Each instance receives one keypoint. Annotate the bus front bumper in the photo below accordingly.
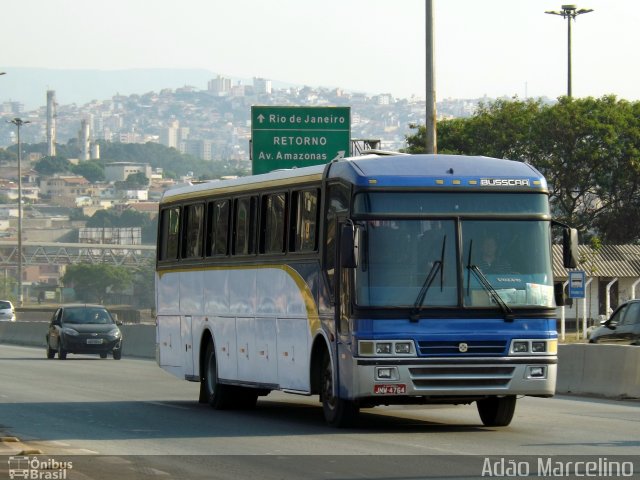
(402, 379)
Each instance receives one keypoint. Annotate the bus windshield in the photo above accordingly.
(417, 263)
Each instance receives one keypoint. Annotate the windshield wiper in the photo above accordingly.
(506, 311)
(438, 265)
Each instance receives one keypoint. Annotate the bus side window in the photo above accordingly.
(273, 219)
(244, 226)
(305, 217)
(218, 228)
(192, 233)
(170, 233)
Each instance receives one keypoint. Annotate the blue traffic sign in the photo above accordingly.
(577, 281)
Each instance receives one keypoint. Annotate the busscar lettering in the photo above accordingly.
(505, 182)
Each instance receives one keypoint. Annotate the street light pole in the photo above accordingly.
(18, 122)
(570, 12)
(430, 99)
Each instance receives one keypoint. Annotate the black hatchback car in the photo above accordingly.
(81, 328)
(623, 327)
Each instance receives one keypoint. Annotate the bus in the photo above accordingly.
(371, 280)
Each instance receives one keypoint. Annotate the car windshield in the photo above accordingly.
(86, 315)
(4, 305)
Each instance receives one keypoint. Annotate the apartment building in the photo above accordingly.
(64, 190)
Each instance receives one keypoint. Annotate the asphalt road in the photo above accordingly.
(130, 419)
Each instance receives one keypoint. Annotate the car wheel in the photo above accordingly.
(62, 354)
(497, 411)
(50, 352)
(103, 355)
(338, 412)
(117, 354)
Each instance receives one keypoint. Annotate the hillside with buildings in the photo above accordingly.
(169, 136)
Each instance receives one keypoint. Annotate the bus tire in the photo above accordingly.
(217, 395)
(338, 412)
(497, 411)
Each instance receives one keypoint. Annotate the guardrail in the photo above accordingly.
(601, 370)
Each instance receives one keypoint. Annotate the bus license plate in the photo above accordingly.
(94, 341)
(397, 389)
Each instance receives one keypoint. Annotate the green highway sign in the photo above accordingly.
(286, 137)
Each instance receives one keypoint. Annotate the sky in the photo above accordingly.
(482, 47)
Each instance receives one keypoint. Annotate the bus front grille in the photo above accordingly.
(461, 377)
(471, 347)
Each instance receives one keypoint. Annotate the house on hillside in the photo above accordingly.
(148, 208)
(64, 190)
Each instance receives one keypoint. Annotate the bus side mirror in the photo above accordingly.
(570, 247)
(560, 294)
(349, 246)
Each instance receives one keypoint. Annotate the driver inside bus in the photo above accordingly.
(490, 260)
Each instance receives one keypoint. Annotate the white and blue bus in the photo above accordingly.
(373, 280)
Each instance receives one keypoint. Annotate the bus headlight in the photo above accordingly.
(403, 348)
(383, 348)
(538, 347)
(534, 347)
(386, 348)
(520, 347)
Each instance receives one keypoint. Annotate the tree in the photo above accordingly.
(92, 170)
(500, 129)
(8, 288)
(588, 149)
(52, 165)
(7, 156)
(131, 218)
(92, 282)
(136, 180)
(144, 287)
(102, 219)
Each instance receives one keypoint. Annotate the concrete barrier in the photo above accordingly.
(602, 370)
(138, 340)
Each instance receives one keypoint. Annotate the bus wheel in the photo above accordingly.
(217, 395)
(338, 412)
(497, 411)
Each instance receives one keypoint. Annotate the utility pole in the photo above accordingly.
(570, 12)
(18, 122)
(430, 123)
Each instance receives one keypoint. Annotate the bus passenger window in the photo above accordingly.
(218, 225)
(170, 233)
(306, 221)
(244, 226)
(274, 217)
(192, 242)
